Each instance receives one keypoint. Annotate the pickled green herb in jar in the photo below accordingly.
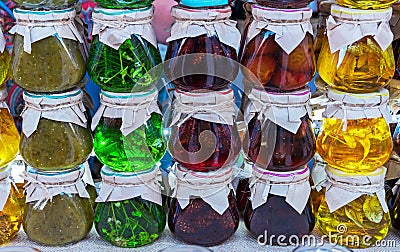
(44, 4)
(124, 4)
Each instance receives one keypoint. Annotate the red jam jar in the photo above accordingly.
(279, 136)
(201, 53)
(279, 59)
(268, 214)
(204, 214)
(204, 135)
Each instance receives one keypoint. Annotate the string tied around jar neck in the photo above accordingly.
(47, 107)
(121, 22)
(42, 192)
(294, 186)
(342, 189)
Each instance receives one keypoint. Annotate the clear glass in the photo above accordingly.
(140, 150)
(363, 68)
(276, 217)
(54, 65)
(10, 217)
(124, 69)
(65, 220)
(56, 146)
(274, 68)
(130, 223)
(192, 142)
(274, 148)
(366, 4)
(216, 67)
(9, 138)
(199, 224)
(44, 4)
(349, 225)
(365, 145)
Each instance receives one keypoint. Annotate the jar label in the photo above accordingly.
(118, 186)
(134, 109)
(341, 189)
(115, 26)
(191, 23)
(290, 27)
(294, 186)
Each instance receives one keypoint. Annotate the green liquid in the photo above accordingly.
(125, 69)
(138, 151)
(118, 4)
(130, 223)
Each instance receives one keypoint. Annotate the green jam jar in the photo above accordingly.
(44, 4)
(121, 56)
(55, 133)
(125, 4)
(128, 131)
(57, 213)
(44, 61)
(130, 212)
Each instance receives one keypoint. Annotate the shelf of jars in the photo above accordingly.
(287, 162)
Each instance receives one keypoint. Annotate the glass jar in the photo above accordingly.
(121, 57)
(272, 61)
(273, 141)
(42, 62)
(284, 4)
(124, 4)
(355, 135)
(204, 135)
(55, 131)
(353, 211)
(124, 145)
(4, 59)
(205, 214)
(57, 213)
(9, 136)
(10, 210)
(44, 4)
(207, 40)
(272, 214)
(357, 63)
(361, 4)
(130, 212)
(324, 12)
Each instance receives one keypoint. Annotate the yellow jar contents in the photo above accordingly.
(10, 217)
(9, 137)
(366, 4)
(359, 224)
(362, 67)
(362, 147)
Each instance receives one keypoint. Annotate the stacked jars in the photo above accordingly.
(278, 61)
(201, 62)
(356, 61)
(48, 61)
(128, 125)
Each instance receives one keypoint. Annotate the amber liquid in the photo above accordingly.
(364, 68)
(273, 68)
(362, 148)
(276, 217)
(358, 219)
(212, 73)
(274, 148)
(199, 224)
(204, 146)
(10, 217)
(9, 138)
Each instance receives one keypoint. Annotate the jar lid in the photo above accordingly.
(186, 14)
(203, 3)
(350, 106)
(282, 15)
(213, 106)
(117, 186)
(43, 99)
(348, 14)
(122, 15)
(134, 108)
(32, 17)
